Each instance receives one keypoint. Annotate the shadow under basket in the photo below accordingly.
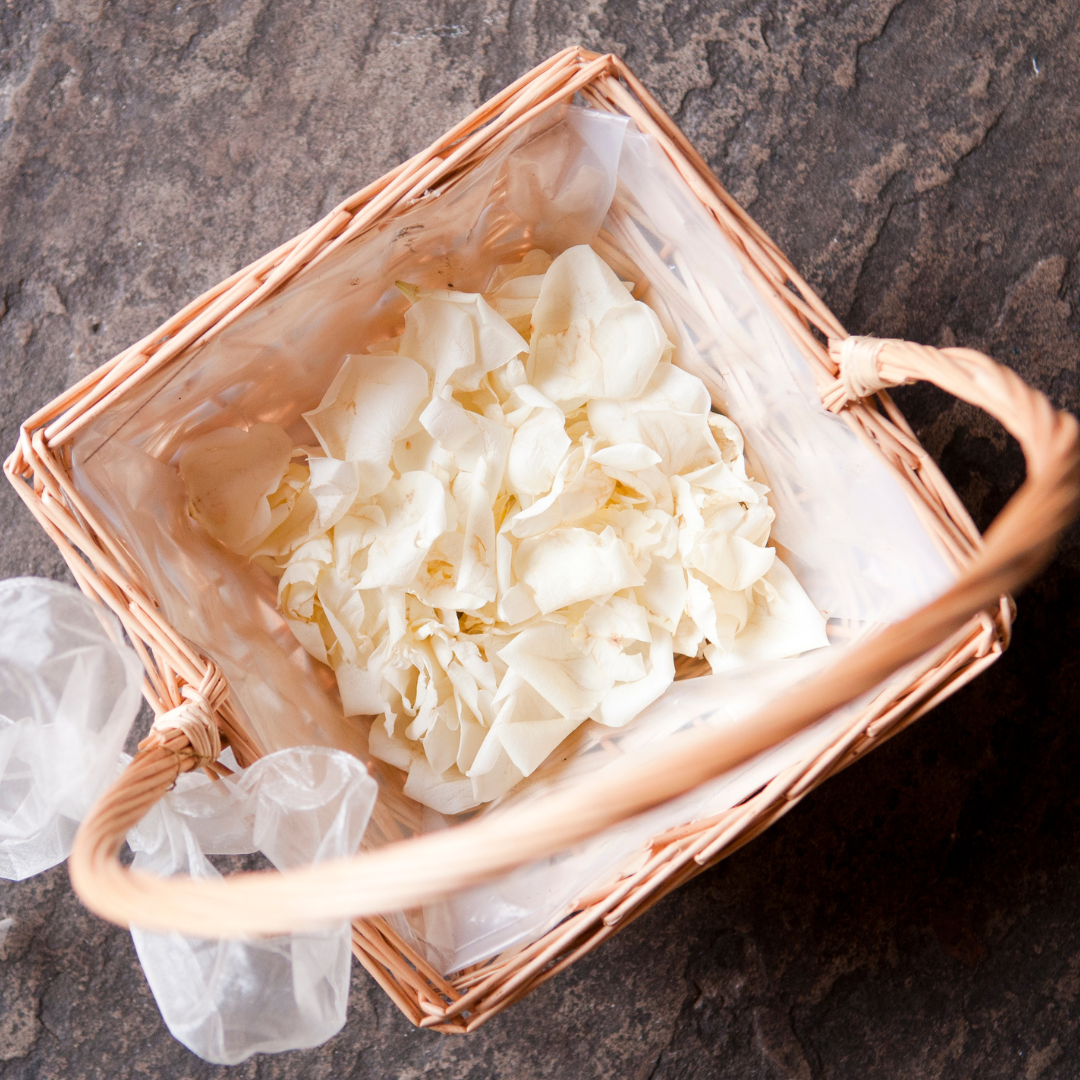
(68, 455)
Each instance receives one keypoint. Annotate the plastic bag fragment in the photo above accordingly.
(226, 1000)
(69, 693)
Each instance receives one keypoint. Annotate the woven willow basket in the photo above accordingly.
(939, 648)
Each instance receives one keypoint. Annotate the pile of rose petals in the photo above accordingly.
(501, 536)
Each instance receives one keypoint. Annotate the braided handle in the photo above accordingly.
(411, 872)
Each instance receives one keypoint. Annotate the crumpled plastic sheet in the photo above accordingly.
(844, 526)
(69, 692)
(226, 1000)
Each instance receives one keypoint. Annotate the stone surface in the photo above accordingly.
(920, 162)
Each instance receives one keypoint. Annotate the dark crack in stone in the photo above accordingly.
(919, 915)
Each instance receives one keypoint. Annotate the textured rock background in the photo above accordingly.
(920, 162)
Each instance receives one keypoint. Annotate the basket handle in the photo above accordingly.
(411, 872)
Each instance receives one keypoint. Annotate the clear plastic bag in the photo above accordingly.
(843, 523)
(69, 692)
(226, 1000)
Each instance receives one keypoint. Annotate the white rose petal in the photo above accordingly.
(530, 728)
(310, 637)
(578, 491)
(360, 689)
(334, 486)
(415, 508)
(547, 659)
(469, 437)
(230, 474)
(448, 793)
(664, 592)
(392, 750)
(628, 457)
(730, 560)
(564, 566)
(607, 631)
(370, 403)
(492, 552)
(496, 781)
(590, 337)
(671, 417)
(458, 338)
(790, 625)
(625, 701)
(537, 451)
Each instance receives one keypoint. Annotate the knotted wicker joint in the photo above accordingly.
(860, 374)
(195, 719)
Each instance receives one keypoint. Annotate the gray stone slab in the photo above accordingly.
(920, 162)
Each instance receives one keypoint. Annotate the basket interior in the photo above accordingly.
(844, 525)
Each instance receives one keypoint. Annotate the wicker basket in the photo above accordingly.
(939, 648)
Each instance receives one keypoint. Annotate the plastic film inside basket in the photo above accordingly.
(843, 523)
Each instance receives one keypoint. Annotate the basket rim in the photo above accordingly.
(40, 469)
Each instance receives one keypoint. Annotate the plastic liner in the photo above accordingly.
(226, 1000)
(69, 692)
(843, 524)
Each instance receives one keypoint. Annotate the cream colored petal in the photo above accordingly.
(310, 637)
(334, 486)
(468, 655)
(517, 605)
(391, 749)
(351, 619)
(367, 407)
(503, 381)
(571, 499)
(477, 575)
(547, 659)
(590, 338)
(628, 457)
(620, 619)
(361, 690)
(729, 440)
(790, 625)
(564, 566)
(610, 633)
(497, 781)
(419, 452)
(471, 736)
(699, 606)
(468, 437)
(352, 535)
(448, 793)
(537, 451)
(627, 700)
(687, 639)
(629, 342)
(296, 586)
(441, 743)
(415, 508)
(577, 285)
(646, 534)
(730, 560)
(664, 592)
(458, 342)
(619, 665)
(298, 527)
(528, 742)
(230, 474)
(530, 728)
(670, 417)
(490, 751)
